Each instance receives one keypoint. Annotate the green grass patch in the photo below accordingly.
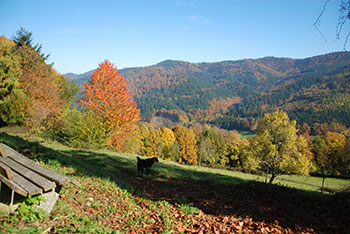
(246, 134)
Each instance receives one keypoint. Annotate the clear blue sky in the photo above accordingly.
(79, 34)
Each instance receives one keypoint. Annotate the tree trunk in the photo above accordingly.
(267, 173)
(323, 178)
(273, 176)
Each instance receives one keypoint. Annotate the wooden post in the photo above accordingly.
(12, 197)
(3, 153)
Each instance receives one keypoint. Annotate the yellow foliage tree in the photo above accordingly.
(168, 138)
(278, 147)
(335, 143)
(187, 141)
(151, 144)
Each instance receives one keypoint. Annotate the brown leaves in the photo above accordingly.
(119, 210)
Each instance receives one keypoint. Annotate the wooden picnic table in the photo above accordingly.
(26, 177)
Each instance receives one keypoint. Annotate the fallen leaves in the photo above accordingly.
(177, 205)
(119, 210)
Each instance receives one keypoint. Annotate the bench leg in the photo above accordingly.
(12, 197)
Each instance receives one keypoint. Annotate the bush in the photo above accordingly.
(79, 129)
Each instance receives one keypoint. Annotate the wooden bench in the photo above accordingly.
(26, 177)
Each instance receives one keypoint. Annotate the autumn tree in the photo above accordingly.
(278, 147)
(31, 91)
(187, 142)
(168, 138)
(107, 96)
(322, 159)
(244, 155)
(41, 84)
(133, 144)
(151, 144)
(144, 134)
(12, 97)
(336, 143)
(47, 92)
(81, 129)
(216, 147)
(206, 151)
(330, 154)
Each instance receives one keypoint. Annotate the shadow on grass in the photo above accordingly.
(212, 193)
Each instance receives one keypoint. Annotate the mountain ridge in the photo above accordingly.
(261, 85)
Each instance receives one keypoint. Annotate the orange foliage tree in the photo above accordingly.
(107, 97)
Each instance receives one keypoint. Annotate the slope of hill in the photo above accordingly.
(233, 94)
(174, 198)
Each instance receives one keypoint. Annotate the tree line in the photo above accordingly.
(32, 93)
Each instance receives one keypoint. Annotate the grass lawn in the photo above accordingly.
(246, 134)
(174, 198)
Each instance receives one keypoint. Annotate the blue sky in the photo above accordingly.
(80, 34)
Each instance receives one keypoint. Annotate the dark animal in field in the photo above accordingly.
(145, 163)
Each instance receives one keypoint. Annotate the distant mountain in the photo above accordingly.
(233, 94)
(79, 78)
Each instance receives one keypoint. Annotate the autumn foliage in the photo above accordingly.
(41, 84)
(187, 141)
(107, 97)
(31, 91)
(278, 147)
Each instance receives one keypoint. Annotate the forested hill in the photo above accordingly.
(233, 94)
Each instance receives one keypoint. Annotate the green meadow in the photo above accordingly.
(174, 198)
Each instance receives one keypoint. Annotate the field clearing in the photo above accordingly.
(191, 172)
(246, 134)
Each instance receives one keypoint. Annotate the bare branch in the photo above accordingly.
(344, 17)
(317, 23)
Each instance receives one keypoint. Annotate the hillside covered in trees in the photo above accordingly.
(186, 99)
(233, 94)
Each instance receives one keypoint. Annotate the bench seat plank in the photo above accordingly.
(43, 171)
(22, 182)
(13, 186)
(30, 175)
(36, 167)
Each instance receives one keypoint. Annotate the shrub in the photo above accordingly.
(80, 129)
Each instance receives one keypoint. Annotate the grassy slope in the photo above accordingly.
(175, 198)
